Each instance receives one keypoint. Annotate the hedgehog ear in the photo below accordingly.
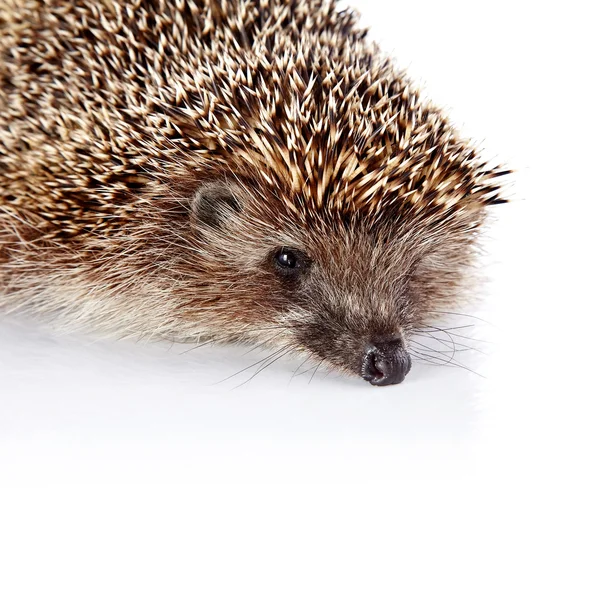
(215, 202)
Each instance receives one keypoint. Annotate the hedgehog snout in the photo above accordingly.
(385, 362)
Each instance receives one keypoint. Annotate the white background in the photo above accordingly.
(127, 471)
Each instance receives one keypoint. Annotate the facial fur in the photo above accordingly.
(162, 166)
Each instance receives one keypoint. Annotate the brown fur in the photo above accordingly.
(116, 117)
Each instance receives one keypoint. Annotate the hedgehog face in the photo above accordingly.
(347, 308)
(348, 295)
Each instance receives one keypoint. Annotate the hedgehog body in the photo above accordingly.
(249, 170)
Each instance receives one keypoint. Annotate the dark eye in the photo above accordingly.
(287, 259)
(290, 262)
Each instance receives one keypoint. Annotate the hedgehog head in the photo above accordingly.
(347, 283)
(332, 210)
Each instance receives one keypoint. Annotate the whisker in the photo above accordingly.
(286, 351)
(425, 328)
(451, 363)
(461, 346)
(457, 314)
(297, 369)
(447, 331)
(316, 369)
(450, 351)
(443, 359)
(466, 337)
(304, 372)
(259, 344)
(258, 362)
(435, 361)
(328, 372)
(429, 360)
(195, 347)
(424, 361)
(451, 340)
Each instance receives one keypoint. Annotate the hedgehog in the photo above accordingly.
(244, 171)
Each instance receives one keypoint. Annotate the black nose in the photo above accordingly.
(385, 363)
